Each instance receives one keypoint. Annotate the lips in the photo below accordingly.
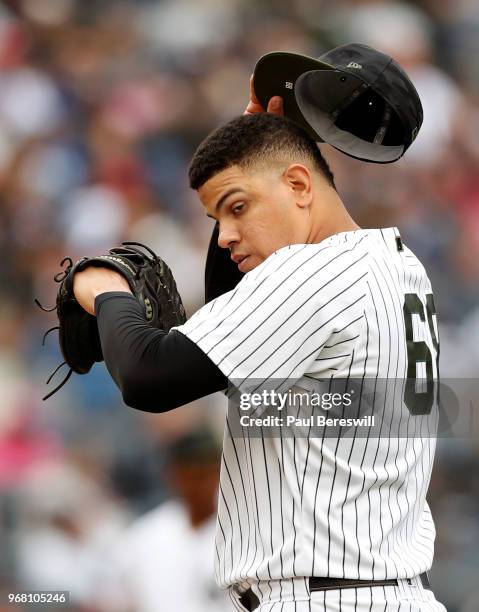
(240, 260)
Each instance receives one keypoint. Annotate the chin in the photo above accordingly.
(250, 263)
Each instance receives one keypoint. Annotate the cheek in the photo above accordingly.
(269, 237)
(263, 236)
(252, 228)
(269, 228)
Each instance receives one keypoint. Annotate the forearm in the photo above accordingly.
(155, 371)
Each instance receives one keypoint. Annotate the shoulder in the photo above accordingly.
(304, 257)
(308, 264)
(293, 282)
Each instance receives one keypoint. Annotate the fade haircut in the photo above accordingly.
(251, 140)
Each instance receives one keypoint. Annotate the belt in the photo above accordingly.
(250, 602)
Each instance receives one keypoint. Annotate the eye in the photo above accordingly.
(237, 208)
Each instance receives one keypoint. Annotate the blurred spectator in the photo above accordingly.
(94, 218)
(164, 561)
(202, 25)
(23, 443)
(66, 524)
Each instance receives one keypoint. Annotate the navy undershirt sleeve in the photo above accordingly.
(155, 371)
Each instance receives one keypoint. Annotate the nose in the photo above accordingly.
(227, 236)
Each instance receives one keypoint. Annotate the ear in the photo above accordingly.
(299, 180)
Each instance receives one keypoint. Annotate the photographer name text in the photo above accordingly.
(315, 420)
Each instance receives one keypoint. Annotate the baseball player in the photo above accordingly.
(315, 522)
(303, 523)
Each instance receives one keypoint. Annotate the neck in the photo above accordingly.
(331, 217)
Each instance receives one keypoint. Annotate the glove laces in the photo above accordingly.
(58, 278)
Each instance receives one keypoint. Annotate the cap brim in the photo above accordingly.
(276, 73)
(221, 273)
(318, 94)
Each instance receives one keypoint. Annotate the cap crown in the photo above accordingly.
(383, 74)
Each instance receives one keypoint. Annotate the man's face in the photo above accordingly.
(257, 213)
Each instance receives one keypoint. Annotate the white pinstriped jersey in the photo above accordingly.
(353, 306)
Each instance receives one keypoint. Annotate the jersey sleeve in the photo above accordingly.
(277, 319)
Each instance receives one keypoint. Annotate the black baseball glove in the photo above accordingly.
(150, 281)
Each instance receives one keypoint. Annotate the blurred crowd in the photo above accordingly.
(102, 104)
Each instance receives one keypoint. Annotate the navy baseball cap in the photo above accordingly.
(354, 98)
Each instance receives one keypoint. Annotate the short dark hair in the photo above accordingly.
(249, 139)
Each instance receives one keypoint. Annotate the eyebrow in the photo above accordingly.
(223, 199)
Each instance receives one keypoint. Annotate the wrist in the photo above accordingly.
(94, 281)
(119, 285)
(110, 287)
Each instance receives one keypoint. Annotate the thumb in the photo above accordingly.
(275, 106)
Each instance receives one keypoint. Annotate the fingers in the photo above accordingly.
(275, 105)
(253, 108)
(254, 105)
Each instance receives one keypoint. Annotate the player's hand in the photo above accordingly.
(275, 105)
(92, 281)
